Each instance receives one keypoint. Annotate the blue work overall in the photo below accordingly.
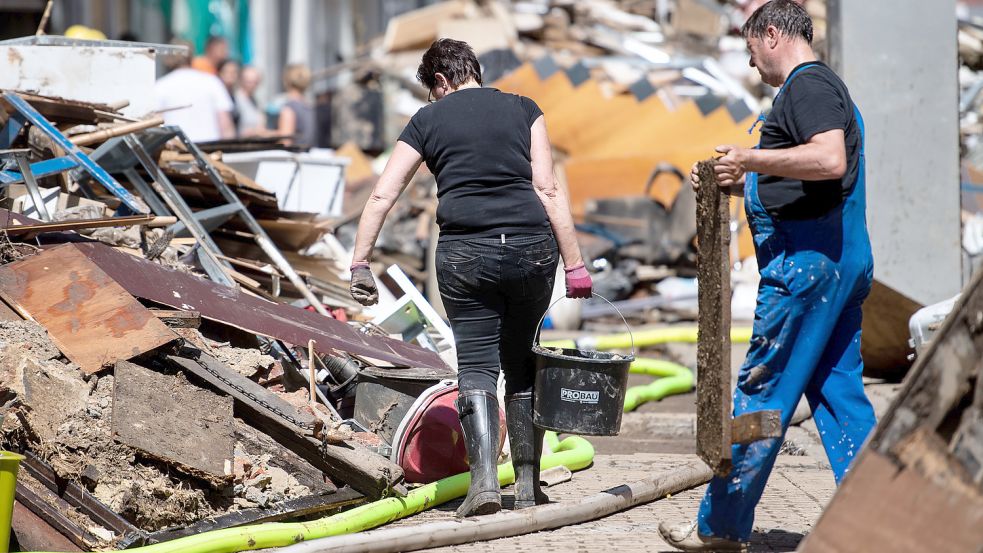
(815, 274)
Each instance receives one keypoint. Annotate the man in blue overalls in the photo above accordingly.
(804, 196)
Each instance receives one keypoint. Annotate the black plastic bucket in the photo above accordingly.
(580, 392)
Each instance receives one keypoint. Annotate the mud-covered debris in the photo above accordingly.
(259, 484)
(20, 339)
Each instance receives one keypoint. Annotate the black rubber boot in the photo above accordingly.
(478, 411)
(527, 450)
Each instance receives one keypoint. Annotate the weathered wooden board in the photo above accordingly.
(91, 319)
(713, 391)
(882, 507)
(174, 421)
(33, 533)
(917, 484)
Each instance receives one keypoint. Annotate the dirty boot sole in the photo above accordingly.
(484, 503)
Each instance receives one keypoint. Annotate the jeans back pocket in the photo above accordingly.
(458, 273)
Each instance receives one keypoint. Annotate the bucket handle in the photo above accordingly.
(539, 326)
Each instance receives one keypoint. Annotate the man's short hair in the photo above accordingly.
(790, 18)
(454, 59)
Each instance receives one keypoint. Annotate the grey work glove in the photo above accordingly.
(363, 287)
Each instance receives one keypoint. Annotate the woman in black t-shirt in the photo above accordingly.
(503, 221)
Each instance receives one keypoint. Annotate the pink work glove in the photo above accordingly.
(578, 280)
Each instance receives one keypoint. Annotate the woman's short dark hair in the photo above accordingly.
(787, 16)
(453, 58)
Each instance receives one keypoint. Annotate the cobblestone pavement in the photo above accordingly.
(658, 438)
(796, 494)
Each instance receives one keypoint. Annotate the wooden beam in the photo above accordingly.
(916, 485)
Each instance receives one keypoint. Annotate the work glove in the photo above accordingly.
(579, 283)
(363, 287)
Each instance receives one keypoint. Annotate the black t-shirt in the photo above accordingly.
(476, 142)
(814, 101)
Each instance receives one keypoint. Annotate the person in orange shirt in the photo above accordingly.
(216, 51)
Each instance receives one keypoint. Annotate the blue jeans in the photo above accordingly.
(494, 291)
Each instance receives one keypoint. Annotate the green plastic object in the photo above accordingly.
(573, 452)
(673, 378)
(9, 463)
(643, 338)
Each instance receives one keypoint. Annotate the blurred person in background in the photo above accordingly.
(228, 73)
(297, 118)
(194, 100)
(252, 119)
(216, 51)
(504, 225)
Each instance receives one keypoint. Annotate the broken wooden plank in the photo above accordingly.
(364, 470)
(758, 425)
(178, 318)
(226, 305)
(911, 489)
(418, 28)
(882, 507)
(80, 224)
(49, 507)
(713, 391)
(173, 421)
(91, 319)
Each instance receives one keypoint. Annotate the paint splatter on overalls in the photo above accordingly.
(815, 275)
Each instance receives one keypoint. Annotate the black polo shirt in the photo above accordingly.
(815, 100)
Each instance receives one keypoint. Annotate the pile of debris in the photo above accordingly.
(155, 350)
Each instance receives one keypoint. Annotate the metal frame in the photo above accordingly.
(262, 239)
(27, 176)
(24, 113)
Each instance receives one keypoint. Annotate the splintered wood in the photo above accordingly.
(918, 483)
(713, 392)
(91, 319)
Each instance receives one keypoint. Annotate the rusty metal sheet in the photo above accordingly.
(231, 306)
(91, 319)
